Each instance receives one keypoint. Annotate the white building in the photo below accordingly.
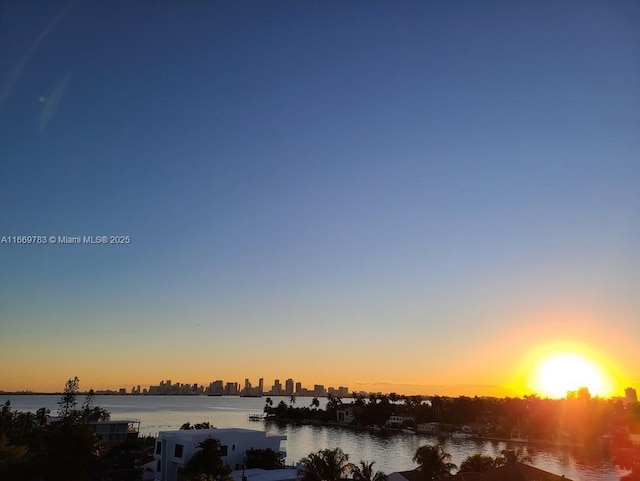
(398, 420)
(174, 449)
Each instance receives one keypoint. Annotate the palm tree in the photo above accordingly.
(358, 399)
(292, 400)
(434, 462)
(315, 403)
(333, 402)
(511, 456)
(478, 463)
(267, 405)
(365, 472)
(326, 465)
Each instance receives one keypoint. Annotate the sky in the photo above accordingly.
(417, 197)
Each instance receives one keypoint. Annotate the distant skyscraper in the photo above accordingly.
(288, 387)
(319, 390)
(261, 386)
(277, 388)
(630, 395)
(231, 388)
(298, 387)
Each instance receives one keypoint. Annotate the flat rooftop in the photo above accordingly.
(257, 474)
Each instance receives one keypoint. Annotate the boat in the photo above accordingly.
(256, 417)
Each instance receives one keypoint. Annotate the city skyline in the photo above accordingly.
(296, 388)
(411, 197)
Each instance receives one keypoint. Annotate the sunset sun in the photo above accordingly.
(559, 373)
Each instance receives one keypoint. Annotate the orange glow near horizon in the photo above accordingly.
(555, 370)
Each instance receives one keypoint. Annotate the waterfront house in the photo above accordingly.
(346, 413)
(174, 449)
(116, 429)
(400, 420)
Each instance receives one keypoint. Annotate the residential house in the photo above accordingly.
(399, 420)
(174, 449)
(346, 413)
(117, 429)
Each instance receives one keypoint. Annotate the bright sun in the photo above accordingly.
(558, 373)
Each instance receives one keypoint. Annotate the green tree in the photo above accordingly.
(434, 462)
(326, 465)
(267, 405)
(333, 402)
(203, 425)
(511, 456)
(478, 463)
(69, 449)
(207, 461)
(6, 418)
(358, 399)
(365, 472)
(69, 400)
(68, 452)
(264, 458)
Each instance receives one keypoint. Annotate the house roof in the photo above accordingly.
(413, 475)
(470, 476)
(258, 474)
(518, 472)
(508, 472)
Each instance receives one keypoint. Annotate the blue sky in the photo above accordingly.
(313, 178)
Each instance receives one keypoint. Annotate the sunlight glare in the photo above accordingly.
(560, 373)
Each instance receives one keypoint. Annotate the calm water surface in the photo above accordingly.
(391, 453)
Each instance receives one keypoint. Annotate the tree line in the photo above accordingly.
(577, 419)
(65, 448)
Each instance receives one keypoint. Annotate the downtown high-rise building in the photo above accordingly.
(288, 387)
(630, 395)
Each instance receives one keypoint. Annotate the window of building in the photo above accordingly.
(158, 465)
(233, 447)
(159, 447)
(223, 450)
(177, 452)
